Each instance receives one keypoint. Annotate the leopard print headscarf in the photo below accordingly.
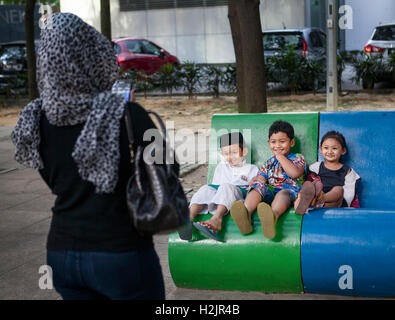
(76, 68)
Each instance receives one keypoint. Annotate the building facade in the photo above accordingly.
(194, 30)
(199, 31)
(12, 23)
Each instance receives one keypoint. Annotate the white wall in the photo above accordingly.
(197, 34)
(276, 12)
(366, 15)
(88, 10)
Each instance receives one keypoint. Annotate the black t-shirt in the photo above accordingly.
(332, 178)
(82, 219)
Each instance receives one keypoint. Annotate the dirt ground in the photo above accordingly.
(196, 113)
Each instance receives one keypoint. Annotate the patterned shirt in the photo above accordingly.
(276, 176)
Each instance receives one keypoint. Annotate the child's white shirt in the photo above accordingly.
(239, 175)
(228, 178)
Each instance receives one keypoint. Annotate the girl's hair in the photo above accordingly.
(335, 135)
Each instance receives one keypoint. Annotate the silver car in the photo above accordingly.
(382, 41)
(310, 42)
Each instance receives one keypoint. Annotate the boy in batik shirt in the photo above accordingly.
(278, 182)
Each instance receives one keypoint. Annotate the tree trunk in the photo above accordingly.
(236, 37)
(105, 18)
(245, 24)
(30, 52)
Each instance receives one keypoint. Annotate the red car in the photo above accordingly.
(142, 55)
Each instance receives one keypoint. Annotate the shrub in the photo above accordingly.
(190, 75)
(215, 77)
(314, 74)
(168, 79)
(141, 82)
(287, 68)
(391, 62)
(230, 78)
(369, 69)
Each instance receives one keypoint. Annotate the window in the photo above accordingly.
(134, 46)
(278, 40)
(135, 5)
(315, 40)
(13, 52)
(323, 39)
(214, 3)
(189, 3)
(386, 33)
(132, 5)
(150, 48)
(117, 48)
(160, 4)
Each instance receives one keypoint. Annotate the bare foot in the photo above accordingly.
(215, 222)
(319, 194)
(307, 194)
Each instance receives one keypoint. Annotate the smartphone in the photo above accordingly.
(123, 87)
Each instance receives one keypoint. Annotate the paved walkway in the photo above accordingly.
(25, 215)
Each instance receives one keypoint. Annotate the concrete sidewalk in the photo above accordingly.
(25, 215)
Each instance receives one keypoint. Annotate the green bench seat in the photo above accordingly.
(247, 262)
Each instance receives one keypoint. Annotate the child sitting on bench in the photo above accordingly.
(330, 183)
(278, 182)
(230, 182)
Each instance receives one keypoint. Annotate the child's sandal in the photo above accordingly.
(240, 216)
(268, 220)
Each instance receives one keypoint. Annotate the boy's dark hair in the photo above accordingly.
(231, 138)
(282, 126)
(334, 135)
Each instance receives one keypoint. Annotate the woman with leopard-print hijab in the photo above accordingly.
(75, 136)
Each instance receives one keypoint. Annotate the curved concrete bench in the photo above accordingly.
(336, 251)
(349, 252)
(249, 262)
(360, 241)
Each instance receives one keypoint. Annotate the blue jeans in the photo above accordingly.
(132, 275)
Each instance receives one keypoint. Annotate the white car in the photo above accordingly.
(382, 41)
(382, 44)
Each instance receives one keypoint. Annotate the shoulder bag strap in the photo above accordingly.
(129, 129)
(165, 137)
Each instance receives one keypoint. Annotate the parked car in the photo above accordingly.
(310, 42)
(382, 41)
(381, 44)
(142, 55)
(13, 56)
(13, 65)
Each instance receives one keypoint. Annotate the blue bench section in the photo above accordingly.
(370, 137)
(349, 252)
(363, 239)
